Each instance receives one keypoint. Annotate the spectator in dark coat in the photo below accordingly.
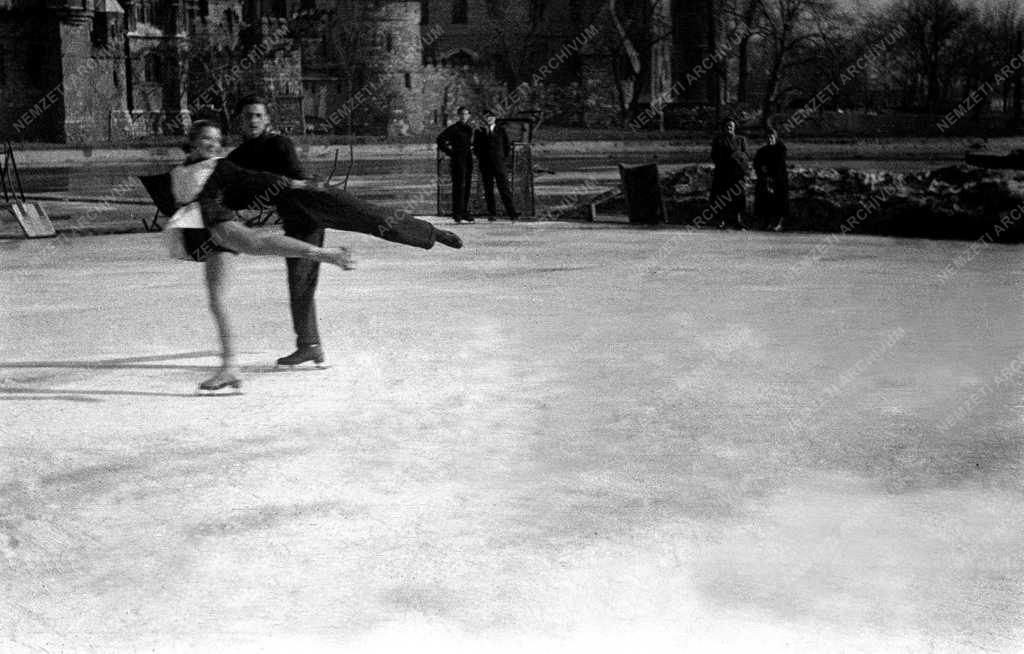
(456, 142)
(728, 185)
(771, 196)
(492, 147)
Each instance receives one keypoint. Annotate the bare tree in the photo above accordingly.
(352, 52)
(746, 14)
(895, 84)
(1003, 21)
(639, 30)
(217, 45)
(933, 31)
(214, 47)
(837, 47)
(792, 30)
(519, 29)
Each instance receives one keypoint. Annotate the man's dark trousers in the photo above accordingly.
(334, 208)
(462, 182)
(303, 276)
(492, 147)
(490, 175)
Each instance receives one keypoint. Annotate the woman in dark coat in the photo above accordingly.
(728, 185)
(771, 197)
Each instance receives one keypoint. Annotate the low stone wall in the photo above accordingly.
(957, 202)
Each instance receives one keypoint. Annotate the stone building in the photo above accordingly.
(99, 70)
(62, 72)
(111, 70)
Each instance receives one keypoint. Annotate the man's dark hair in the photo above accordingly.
(488, 112)
(461, 109)
(247, 100)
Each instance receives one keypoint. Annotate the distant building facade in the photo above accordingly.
(112, 70)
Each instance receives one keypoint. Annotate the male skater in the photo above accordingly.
(305, 214)
(264, 150)
(456, 142)
(492, 147)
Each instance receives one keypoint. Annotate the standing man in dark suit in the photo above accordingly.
(264, 150)
(456, 141)
(492, 147)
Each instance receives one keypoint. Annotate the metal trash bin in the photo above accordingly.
(641, 186)
(520, 169)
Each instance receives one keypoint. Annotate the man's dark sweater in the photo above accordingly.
(272, 153)
(456, 140)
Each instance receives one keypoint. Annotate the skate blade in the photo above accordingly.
(227, 390)
(301, 366)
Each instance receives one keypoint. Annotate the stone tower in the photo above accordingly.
(65, 79)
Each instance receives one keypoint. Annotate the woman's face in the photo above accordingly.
(730, 127)
(207, 143)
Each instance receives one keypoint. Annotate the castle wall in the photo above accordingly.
(95, 101)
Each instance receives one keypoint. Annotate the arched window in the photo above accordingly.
(151, 68)
(35, 62)
(100, 34)
(145, 12)
(459, 57)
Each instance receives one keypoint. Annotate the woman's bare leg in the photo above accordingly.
(238, 237)
(216, 269)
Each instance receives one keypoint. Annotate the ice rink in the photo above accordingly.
(559, 438)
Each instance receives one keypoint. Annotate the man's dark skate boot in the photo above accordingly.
(305, 353)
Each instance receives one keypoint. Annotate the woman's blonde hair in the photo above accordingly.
(196, 128)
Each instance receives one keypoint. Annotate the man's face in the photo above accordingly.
(254, 120)
(730, 127)
(464, 116)
(489, 119)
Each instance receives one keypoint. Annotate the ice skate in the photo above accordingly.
(224, 379)
(304, 353)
